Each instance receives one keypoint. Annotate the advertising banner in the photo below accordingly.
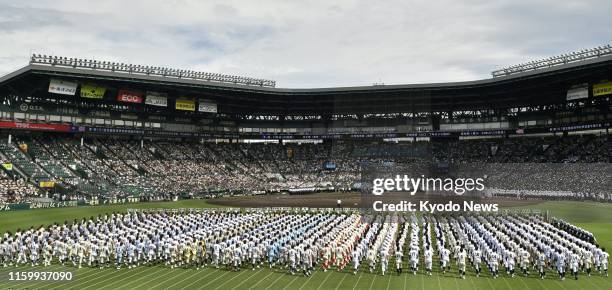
(62, 87)
(156, 99)
(34, 126)
(602, 89)
(14, 206)
(185, 105)
(24, 107)
(577, 93)
(47, 184)
(54, 204)
(36, 205)
(207, 106)
(92, 92)
(129, 96)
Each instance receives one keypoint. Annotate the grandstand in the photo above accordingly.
(106, 167)
(76, 129)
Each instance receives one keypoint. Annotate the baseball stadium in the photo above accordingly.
(123, 176)
(305, 145)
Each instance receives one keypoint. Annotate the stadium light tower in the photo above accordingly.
(564, 58)
(147, 70)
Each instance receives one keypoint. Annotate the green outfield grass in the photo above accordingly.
(13, 220)
(592, 216)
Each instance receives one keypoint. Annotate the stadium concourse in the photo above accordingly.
(570, 167)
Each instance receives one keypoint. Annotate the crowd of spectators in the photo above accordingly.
(154, 169)
(15, 189)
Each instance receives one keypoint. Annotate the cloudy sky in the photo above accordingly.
(302, 43)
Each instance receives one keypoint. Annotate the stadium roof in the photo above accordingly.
(535, 87)
(59, 70)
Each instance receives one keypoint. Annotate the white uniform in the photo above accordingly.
(477, 259)
(461, 259)
(428, 259)
(237, 257)
(494, 263)
(542, 264)
(414, 260)
(384, 260)
(356, 255)
(445, 253)
(398, 259)
(561, 265)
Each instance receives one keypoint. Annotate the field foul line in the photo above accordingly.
(588, 279)
(242, 271)
(307, 280)
(264, 278)
(471, 281)
(144, 284)
(225, 273)
(91, 272)
(373, 279)
(489, 281)
(422, 280)
(180, 274)
(506, 280)
(188, 274)
(291, 282)
(456, 283)
(198, 280)
(389, 282)
(540, 282)
(94, 271)
(279, 277)
(111, 271)
(254, 273)
(160, 269)
(359, 278)
(323, 283)
(109, 276)
(103, 278)
(557, 281)
(137, 271)
(521, 278)
(339, 284)
(145, 276)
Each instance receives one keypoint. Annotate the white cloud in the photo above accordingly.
(307, 43)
